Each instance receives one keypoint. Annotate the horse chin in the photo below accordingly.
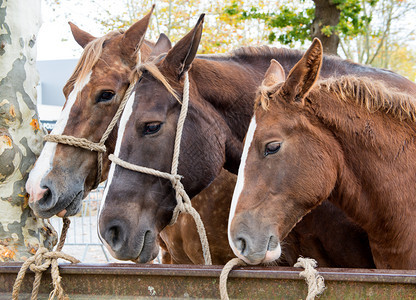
(144, 253)
(149, 252)
(269, 258)
(272, 256)
(75, 205)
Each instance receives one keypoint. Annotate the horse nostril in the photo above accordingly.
(114, 237)
(39, 194)
(46, 193)
(241, 245)
(273, 243)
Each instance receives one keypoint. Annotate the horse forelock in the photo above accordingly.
(372, 94)
(263, 97)
(155, 72)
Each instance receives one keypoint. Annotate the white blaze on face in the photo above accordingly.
(240, 180)
(125, 117)
(44, 162)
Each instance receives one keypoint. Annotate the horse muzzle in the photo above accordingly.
(49, 202)
(125, 244)
(253, 243)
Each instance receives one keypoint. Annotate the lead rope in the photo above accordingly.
(183, 202)
(92, 146)
(315, 282)
(40, 262)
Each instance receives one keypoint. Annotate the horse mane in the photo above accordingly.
(372, 94)
(366, 92)
(256, 52)
(89, 57)
(263, 51)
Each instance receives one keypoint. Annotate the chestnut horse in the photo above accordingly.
(64, 175)
(222, 90)
(348, 138)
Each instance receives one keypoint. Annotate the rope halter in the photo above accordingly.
(183, 202)
(99, 147)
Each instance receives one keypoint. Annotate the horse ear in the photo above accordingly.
(81, 37)
(134, 36)
(275, 74)
(304, 74)
(162, 45)
(181, 56)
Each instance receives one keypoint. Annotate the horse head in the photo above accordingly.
(63, 175)
(286, 168)
(137, 206)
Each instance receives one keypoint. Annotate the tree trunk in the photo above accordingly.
(326, 14)
(21, 136)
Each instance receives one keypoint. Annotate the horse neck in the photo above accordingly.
(230, 90)
(376, 173)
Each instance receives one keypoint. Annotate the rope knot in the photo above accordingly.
(176, 181)
(40, 262)
(316, 284)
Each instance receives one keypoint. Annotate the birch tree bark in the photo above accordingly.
(21, 136)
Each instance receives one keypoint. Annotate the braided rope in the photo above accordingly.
(224, 276)
(99, 147)
(315, 282)
(183, 202)
(74, 141)
(40, 262)
(179, 126)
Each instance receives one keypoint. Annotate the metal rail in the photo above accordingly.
(189, 281)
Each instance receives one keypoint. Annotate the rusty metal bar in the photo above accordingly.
(183, 281)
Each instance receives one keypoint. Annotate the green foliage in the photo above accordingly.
(352, 21)
(289, 24)
(296, 23)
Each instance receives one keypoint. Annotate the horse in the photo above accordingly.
(349, 139)
(222, 90)
(63, 175)
(63, 171)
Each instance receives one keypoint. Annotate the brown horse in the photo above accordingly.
(63, 175)
(350, 138)
(222, 88)
(64, 171)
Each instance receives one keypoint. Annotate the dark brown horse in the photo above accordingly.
(222, 89)
(350, 138)
(64, 175)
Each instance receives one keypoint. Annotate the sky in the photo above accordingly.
(55, 40)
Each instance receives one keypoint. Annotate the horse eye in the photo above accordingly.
(105, 96)
(152, 128)
(272, 148)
